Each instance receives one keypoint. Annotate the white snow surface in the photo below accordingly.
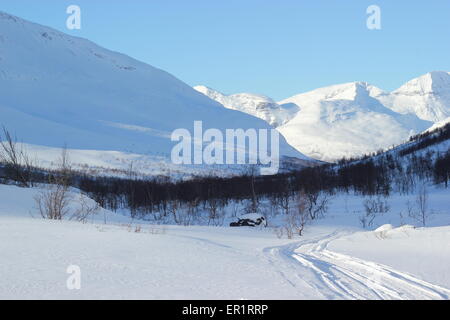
(335, 259)
(122, 164)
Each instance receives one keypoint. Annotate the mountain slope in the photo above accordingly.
(57, 89)
(344, 121)
(257, 105)
(428, 97)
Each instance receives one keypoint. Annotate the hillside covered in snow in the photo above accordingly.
(61, 90)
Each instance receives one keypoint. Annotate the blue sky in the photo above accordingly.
(278, 48)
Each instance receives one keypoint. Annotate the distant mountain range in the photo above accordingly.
(350, 119)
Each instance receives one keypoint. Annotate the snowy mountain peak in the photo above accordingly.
(346, 91)
(430, 83)
(257, 105)
(256, 98)
(427, 97)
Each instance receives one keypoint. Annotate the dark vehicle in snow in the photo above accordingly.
(250, 220)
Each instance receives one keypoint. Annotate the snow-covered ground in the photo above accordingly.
(122, 164)
(124, 259)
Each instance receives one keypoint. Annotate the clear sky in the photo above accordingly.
(277, 48)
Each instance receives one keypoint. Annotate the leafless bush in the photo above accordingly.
(376, 206)
(86, 208)
(191, 214)
(373, 207)
(422, 213)
(297, 217)
(366, 219)
(254, 202)
(53, 202)
(216, 215)
(56, 202)
(316, 204)
(235, 208)
(15, 159)
(173, 208)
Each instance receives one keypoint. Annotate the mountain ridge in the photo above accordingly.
(354, 118)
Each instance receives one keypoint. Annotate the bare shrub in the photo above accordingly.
(191, 214)
(298, 216)
(422, 213)
(86, 208)
(316, 204)
(373, 207)
(289, 231)
(17, 162)
(216, 215)
(366, 219)
(53, 202)
(173, 208)
(376, 206)
(56, 202)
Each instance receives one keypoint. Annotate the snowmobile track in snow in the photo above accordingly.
(337, 276)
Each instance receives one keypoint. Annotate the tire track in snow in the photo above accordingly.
(337, 276)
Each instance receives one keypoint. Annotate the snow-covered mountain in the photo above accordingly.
(346, 121)
(428, 97)
(57, 89)
(257, 105)
(352, 119)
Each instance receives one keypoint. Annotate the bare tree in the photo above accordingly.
(283, 199)
(192, 212)
(56, 202)
(174, 208)
(316, 204)
(86, 209)
(53, 201)
(298, 216)
(254, 202)
(15, 159)
(422, 213)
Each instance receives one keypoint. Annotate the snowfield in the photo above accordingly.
(125, 259)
